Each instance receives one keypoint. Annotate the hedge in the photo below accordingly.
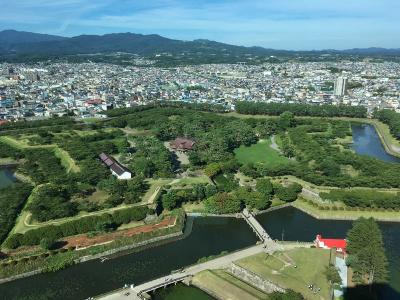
(74, 227)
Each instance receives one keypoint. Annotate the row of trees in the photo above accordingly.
(38, 123)
(174, 198)
(259, 199)
(95, 223)
(275, 109)
(12, 199)
(366, 252)
(364, 198)
(391, 118)
(167, 104)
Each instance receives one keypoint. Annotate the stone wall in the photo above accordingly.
(129, 247)
(254, 280)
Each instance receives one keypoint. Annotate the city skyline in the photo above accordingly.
(275, 24)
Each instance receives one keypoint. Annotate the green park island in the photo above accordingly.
(86, 190)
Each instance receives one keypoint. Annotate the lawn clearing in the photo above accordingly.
(260, 153)
(223, 288)
(279, 268)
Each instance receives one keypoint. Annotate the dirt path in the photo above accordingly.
(274, 145)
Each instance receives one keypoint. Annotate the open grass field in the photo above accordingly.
(260, 153)
(225, 286)
(279, 268)
(389, 216)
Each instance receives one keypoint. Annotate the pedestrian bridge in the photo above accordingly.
(139, 292)
(257, 228)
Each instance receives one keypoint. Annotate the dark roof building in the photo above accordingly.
(182, 144)
(116, 168)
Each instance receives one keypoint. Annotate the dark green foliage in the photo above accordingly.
(332, 275)
(51, 202)
(252, 200)
(288, 193)
(123, 191)
(366, 252)
(364, 198)
(275, 109)
(223, 203)
(225, 182)
(215, 137)
(37, 124)
(104, 222)
(151, 158)
(265, 187)
(43, 166)
(12, 199)
(391, 118)
(8, 151)
(47, 243)
(286, 120)
(288, 295)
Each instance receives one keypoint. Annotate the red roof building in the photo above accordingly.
(93, 102)
(339, 244)
(3, 122)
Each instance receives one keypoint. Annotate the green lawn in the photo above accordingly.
(279, 268)
(260, 153)
(225, 286)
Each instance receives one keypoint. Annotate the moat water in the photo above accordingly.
(210, 236)
(6, 177)
(366, 141)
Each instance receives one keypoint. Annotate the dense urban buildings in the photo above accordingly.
(88, 89)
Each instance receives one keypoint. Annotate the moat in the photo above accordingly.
(210, 236)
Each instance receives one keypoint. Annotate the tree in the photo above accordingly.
(47, 243)
(286, 120)
(223, 203)
(332, 275)
(288, 193)
(265, 187)
(169, 200)
(366, 252)
(212, 169)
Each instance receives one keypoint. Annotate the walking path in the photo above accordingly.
(134, 292)
(274, 145)
(268, 245)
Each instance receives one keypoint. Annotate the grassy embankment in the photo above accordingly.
(66, 160)
(279, 269)
(223, 285)
(25, 223)
(355, 213)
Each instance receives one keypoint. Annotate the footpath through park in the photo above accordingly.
(139, 292)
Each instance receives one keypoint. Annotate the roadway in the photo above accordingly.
(218, 263)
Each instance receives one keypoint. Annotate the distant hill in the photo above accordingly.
(27, 43)
(8, 38)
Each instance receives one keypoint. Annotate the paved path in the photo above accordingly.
(274, 145)
(268, 245)
(257, 228)
(218, 263)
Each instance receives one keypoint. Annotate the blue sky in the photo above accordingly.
(281, 24)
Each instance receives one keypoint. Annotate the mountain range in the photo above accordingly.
(27, 43)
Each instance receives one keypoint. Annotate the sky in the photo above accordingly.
(278, 24)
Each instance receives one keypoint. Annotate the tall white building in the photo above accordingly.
(340, 86)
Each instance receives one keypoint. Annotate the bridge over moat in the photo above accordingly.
(140, 292)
